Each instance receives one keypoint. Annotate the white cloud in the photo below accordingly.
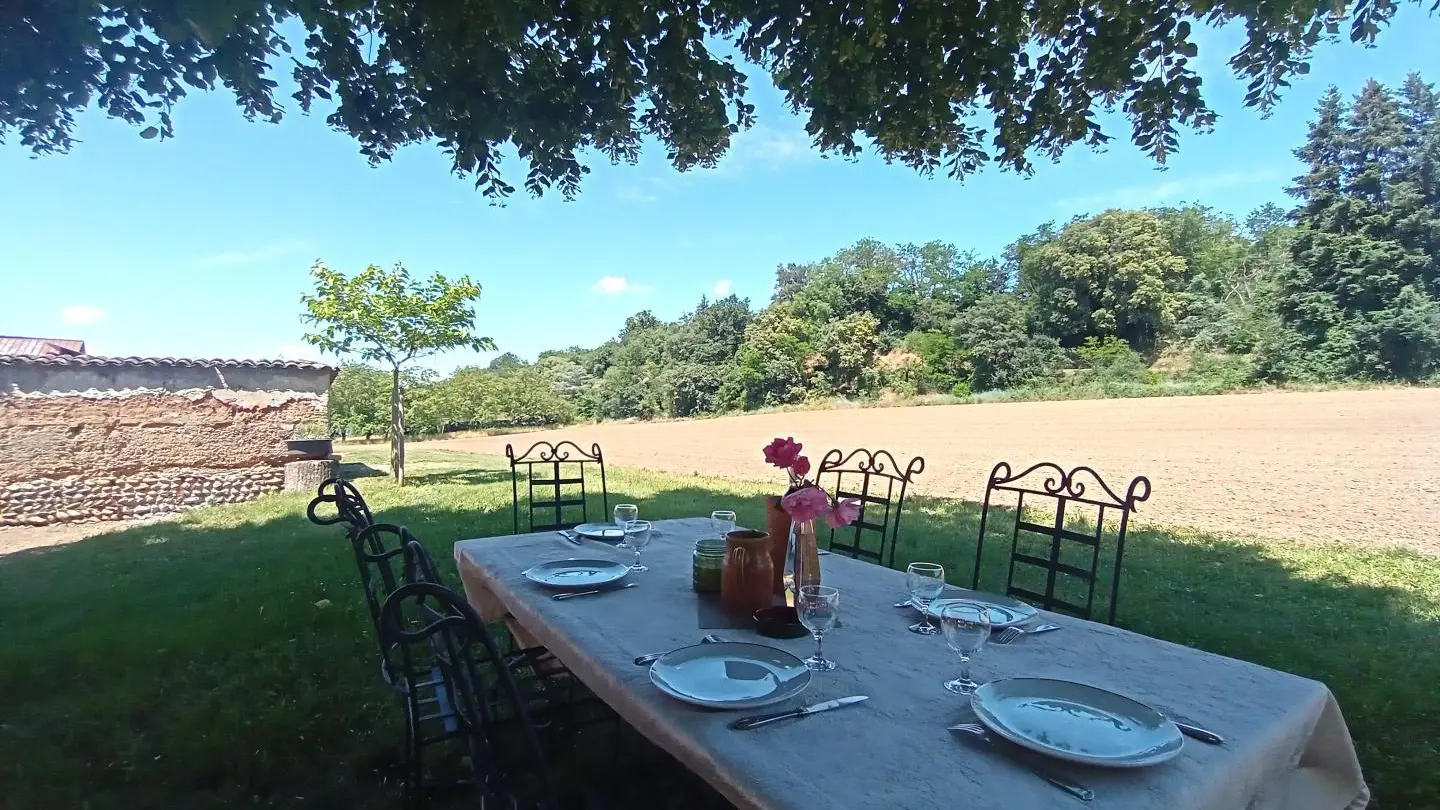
(82, 314)
(1168, 191)
(721, 288)
(612, 285)
(632, 193)
(759, 148)
(770, 147)
(263, 253)
(619, 285)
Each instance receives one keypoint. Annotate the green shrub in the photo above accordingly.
(1111, 363)
(942, 361)
(900, 387)
(1221, 372)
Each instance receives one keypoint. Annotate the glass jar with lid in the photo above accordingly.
(707, 564)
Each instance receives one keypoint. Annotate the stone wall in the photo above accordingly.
(83, 498)
(84, 438)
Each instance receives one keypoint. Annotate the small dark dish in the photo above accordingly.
(310, 448)
(779, 622)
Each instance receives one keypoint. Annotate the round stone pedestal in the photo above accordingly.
(306, 476)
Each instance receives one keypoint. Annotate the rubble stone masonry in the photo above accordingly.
(85, 439)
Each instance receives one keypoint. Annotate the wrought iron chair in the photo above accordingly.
(555, 461)
(350, 506)
(545, 681)
(877, 481)
(378, 547)
(549, 688)
(489, 719)
(555, 700)
(433, 635)
(420, 563)
(1060, 553)
(381, 555)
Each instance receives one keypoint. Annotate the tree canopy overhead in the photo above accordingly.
(948, 85)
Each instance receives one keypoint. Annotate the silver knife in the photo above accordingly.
(977, 735)
(1189, 729)
(568, 536)
(762, 719)
(1204, 735)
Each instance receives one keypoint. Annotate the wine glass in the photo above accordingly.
(967, 628)
(624, 513)
(722, 522)
(637, 537)
(819, 607)
(925, 581)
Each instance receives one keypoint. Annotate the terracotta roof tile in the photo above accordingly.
(39, 347)
(156, 362)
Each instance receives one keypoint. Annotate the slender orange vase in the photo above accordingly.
(807, 555)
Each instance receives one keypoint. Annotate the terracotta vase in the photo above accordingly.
(747, 576)
(777, 522)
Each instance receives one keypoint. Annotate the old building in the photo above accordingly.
(40, 347)
(102, 438)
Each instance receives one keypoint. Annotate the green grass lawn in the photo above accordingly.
(225, 659)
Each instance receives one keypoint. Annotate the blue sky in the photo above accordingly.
(201, 246)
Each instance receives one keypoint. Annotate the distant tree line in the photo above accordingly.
(1180, 299)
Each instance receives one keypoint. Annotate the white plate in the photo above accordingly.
(730, 675)
(567, 574)
(1004, 611)
(1076, 722)
(600, 531)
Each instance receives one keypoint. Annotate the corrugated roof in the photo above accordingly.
(156, 362)
(40, 347)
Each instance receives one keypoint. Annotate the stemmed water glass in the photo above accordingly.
(967, 628)
(819, 607)
(722, 522)
(637, 537)
(925, 581)
(624, 513)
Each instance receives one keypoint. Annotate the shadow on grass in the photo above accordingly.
(466, 477)
(226, 658)
(355, 470)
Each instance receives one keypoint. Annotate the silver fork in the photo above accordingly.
(646, 660)
(1009, 634)
(982, 735)
(561, 597)
(574, 540)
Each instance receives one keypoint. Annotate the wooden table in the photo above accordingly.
(1288, 747)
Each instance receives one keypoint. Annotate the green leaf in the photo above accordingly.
(916, 82)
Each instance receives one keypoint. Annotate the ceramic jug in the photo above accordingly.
(747, 580)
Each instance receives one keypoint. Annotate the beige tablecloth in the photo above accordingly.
(1288, 747)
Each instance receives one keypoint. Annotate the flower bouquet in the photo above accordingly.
(805, 503)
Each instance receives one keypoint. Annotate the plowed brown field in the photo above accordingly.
(1354, 466)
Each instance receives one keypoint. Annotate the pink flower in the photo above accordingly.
(805, 504)
(844, 513)
(782, 452)
(800, 466)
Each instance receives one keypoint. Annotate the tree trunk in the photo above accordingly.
(397, 428)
